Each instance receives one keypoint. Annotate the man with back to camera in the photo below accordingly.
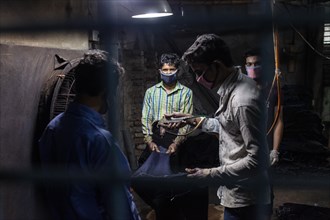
(243, 153)
(77, 142)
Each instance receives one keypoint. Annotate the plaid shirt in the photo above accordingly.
(157, 102)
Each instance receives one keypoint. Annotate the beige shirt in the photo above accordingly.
(240, 122)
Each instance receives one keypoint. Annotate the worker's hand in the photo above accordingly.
(153, 147)
(179, 123)
(273, 157)
(198, 172)
(172, 148)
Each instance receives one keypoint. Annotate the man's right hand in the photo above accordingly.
(153, 147)
(198, 172)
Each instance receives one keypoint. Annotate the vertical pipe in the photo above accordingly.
(108, 18)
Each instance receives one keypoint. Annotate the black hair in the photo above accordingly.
(208, 48)
(252, 52)
(93, 73)
(169, 58)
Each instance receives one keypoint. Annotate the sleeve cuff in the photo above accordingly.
(178, 140)
(217, 171)
(147, 139)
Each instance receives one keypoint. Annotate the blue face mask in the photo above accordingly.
(168, 79)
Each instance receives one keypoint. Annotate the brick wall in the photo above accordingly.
(140, 74)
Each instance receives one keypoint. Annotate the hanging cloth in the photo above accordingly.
(157, 165)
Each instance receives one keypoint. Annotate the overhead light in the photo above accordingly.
(151, 9)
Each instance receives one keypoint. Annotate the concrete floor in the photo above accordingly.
(215, 211)
(301, 196)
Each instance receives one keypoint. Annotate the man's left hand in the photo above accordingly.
(198, 172)
(274, 157)
(172, 148)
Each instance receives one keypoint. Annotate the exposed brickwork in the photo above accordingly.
(140, 74)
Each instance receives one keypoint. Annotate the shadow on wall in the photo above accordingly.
(24, 70)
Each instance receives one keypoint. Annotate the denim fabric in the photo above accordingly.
(157, 164)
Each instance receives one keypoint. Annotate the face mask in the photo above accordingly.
(254, 72)
(201, 80)
(168, 78)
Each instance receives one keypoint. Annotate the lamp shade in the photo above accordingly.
(151, 9)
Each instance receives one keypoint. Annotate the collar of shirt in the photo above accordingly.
(228, 85)
(225, 90)
(81, 110)
(177, 87)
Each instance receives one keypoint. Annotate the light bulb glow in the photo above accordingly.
(152, 15)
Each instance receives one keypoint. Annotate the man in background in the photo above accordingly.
(167, 96)
(254, 71)
(275, 126)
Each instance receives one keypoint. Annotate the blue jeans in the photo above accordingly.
(248, 213)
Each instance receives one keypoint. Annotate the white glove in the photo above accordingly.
(273, 157)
